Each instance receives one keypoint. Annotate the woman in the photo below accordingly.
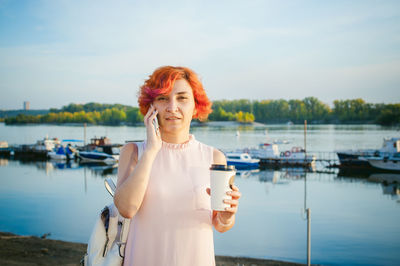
(166, 190)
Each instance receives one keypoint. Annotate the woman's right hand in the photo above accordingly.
(154, 141)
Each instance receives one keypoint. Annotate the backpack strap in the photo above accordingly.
(140, 146)
(123, 236)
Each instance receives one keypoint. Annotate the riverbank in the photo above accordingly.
(31, 250)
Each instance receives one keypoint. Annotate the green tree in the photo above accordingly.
(133, 115)
(315, 109)
(390, 115)
(113, 116)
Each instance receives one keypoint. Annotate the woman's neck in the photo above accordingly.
(177, 138)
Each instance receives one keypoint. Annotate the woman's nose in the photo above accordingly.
(172, 106)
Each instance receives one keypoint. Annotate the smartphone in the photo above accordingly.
(155, 123)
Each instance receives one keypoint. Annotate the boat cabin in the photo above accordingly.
(391, 145)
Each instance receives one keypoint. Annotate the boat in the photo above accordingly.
(95, 142)
(100, 150)
(62, 153)
(269, 155)
(281, 141)
(242, 160)
(108, 154)
(39, 150)
(391, 163)
(3, 144)
(5, 150)
(359, 158)
(97, 156)
(65, 151)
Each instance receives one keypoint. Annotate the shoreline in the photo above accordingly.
(32, 250)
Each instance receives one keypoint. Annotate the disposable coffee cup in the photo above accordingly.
(222, 178)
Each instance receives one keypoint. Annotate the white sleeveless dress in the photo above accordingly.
(174, 223)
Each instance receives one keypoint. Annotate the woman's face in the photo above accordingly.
(175, 111)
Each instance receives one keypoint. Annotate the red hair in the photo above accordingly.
(161, 82)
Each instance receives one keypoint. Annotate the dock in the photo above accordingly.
(327, 158)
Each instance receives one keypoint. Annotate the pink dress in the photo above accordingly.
(173, 225)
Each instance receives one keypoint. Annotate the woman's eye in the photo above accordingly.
(182, 98)
(161, 98)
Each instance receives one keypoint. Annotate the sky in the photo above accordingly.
(56, 52)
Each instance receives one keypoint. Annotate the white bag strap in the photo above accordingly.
(123, 237)
(140, 146)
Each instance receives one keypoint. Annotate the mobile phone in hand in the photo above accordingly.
(155, 124)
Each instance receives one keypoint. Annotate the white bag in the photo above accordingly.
(107, 246)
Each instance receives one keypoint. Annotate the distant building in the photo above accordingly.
(26, 105)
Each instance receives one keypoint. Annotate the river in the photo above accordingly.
(354, 220)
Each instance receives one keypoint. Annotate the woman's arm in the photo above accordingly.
(225, 220)
(133, 174)
(133, 177)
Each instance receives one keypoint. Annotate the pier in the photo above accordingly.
(327, 158)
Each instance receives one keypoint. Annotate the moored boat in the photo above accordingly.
(4, 149)
(359, 158)
(100, 150)
(67, 150)
(38, 150)
(97, 156)
(242, 160)
(107, 154)
(269, 155)
(391, 163)
(62, 153)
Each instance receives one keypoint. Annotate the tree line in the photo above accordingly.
(311, 109)
(243, 111)
(92, 113)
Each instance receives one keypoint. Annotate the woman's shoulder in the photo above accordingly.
(128, 150)
(130, 146)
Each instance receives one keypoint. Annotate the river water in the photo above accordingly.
(354, 220)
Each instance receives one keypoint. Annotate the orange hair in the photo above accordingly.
(161, 82)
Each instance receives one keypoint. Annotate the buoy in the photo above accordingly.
(288, 153)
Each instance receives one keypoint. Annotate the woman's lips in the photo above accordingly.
(172, 118)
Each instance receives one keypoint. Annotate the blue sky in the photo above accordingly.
(55, 52)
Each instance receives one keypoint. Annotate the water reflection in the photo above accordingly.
(97, 169)
(246, 173)
(102, 170)
(283, 175)
(390, 183)
(3, 162)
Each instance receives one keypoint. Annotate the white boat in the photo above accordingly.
(391, 162)
(359, 158)
(3, 144)
(46, 144)
(242, 160)
(96, 156)
(269, 154)
(107, 154)
(38, 150)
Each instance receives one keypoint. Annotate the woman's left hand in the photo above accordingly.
(227, 215)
